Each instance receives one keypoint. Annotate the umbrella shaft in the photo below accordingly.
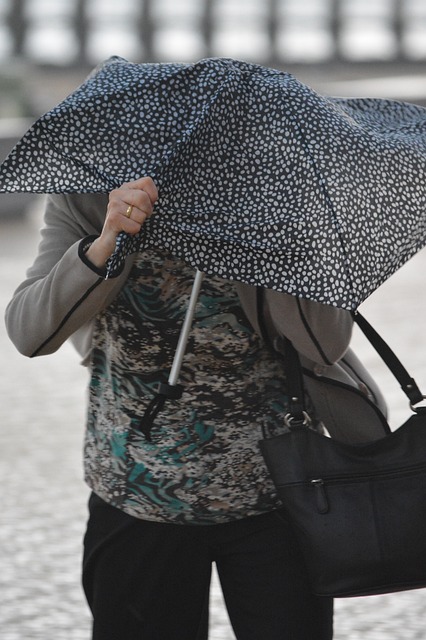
(186, 328)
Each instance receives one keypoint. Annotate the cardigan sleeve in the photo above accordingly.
(319, 332)
(61, 292)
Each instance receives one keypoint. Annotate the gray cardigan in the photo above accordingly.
(62, 294)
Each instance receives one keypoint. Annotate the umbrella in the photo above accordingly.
(261, 179)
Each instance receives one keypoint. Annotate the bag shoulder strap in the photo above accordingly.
(294, 369)
(408, 384)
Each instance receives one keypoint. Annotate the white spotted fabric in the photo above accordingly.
(260, 178)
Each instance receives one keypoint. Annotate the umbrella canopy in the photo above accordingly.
(260, 178)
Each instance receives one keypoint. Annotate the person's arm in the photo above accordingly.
(66, 287)
(61, 290)
(320, 332)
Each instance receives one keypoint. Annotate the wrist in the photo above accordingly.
(83, 251)
(85, 247)
(99, 251)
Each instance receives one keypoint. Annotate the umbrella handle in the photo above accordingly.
(186, 328)
(172, 389)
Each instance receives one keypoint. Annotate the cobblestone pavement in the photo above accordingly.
(43, 498)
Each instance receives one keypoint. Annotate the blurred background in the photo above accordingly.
(47, 46)
(371, 48)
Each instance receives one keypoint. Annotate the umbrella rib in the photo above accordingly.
(323, 185)
(112, 184)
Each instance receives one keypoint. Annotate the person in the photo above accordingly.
(164, 508)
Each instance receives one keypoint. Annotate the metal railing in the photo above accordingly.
(336, 26)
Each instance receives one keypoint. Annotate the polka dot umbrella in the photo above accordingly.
(260, 178)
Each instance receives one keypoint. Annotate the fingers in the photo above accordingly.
(130, 205)
(128, 208)
(145, 184)
(139, 200)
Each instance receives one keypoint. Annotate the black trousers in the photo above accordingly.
(150, 581)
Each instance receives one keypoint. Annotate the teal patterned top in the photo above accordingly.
(203, 465)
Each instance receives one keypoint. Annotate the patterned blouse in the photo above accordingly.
(203, 465)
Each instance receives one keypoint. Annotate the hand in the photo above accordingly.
(128, 208)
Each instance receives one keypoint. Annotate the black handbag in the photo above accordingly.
(359, 511)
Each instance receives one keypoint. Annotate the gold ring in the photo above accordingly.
(129, 211)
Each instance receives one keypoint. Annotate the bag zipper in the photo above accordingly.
(319, 484)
